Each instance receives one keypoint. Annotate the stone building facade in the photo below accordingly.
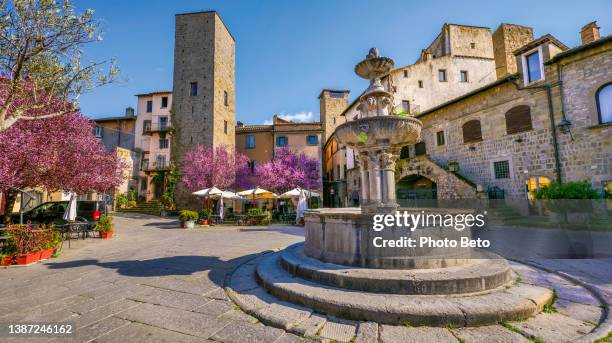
(203, 88)
(545, 115)
(531, 127)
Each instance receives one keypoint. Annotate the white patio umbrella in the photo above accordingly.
(221, 208)
(301, 206)
(71, 210)
(207, 192)
(294, 193)
(257, 193)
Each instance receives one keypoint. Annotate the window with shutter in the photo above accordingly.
(518, 119)
(472, 131)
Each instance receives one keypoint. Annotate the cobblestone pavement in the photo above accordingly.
(154, 282)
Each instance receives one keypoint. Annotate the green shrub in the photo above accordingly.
(568, 190)
(206, 213)
(188, 216)
(131, 195)
(121, 200)
(255, 211)
(132, 203)
(105, 225)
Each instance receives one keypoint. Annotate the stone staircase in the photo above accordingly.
(153, 207)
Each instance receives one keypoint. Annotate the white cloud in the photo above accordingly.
(267, 122)
(300, 117)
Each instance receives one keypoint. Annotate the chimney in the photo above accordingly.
(589, 33)
(239, 124)
(129, 112)
(506, 39)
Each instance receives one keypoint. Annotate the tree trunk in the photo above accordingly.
(10, 197)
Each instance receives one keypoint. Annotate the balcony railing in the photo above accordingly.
(148, 167)
(157, 128)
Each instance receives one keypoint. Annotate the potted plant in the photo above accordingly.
(6, 259)
(188, 218)
(121, 200)
(46, 241)
(205, 215)
(24, 239)
(105, 227)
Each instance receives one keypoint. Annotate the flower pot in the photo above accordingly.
(27, 258)
(6, 260)
(189, 224)
(106, 235)
(46, 253)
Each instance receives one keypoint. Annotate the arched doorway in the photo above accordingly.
(416, 191)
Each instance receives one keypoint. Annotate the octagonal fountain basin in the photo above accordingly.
(389, 130)
(346, 236)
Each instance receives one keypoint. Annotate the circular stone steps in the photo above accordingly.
(481, 275)
(513, 302)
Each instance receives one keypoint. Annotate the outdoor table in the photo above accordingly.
(216, 219)
(66, 230)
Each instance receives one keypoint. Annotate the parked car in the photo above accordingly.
(52, 212)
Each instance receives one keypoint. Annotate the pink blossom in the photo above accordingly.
(287, 171)
(219, 167)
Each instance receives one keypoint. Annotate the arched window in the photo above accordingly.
(518, 119)
(471, 131)
(405, 152)
(604, 103)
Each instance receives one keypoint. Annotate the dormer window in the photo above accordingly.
(532, 66)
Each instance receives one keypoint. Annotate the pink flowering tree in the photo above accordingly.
(205, 167)
(59, 153)
(289, 170)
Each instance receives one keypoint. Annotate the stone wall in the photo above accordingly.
(589, 155)
(449, 186)
(506, 39)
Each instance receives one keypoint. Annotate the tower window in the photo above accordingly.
(420, 84)
(463, 76)
(333, 94)
(164, 102)
(225, 127)
(149, 106)
(225, 98)
(473, 45)
(440, 137)
(194, 89)
(405, 73)
(442, 75)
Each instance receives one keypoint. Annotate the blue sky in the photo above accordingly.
(287, 51)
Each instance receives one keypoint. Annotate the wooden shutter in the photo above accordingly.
(472, 131)
(518, 119)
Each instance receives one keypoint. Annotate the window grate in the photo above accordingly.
(501, 169)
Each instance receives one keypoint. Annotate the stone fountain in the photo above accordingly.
(338, 270)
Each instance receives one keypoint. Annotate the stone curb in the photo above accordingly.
(605, 325)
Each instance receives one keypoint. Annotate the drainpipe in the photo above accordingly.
(553, 128)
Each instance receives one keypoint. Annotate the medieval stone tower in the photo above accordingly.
(332, 104)
(506, 39)
(203, 90)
